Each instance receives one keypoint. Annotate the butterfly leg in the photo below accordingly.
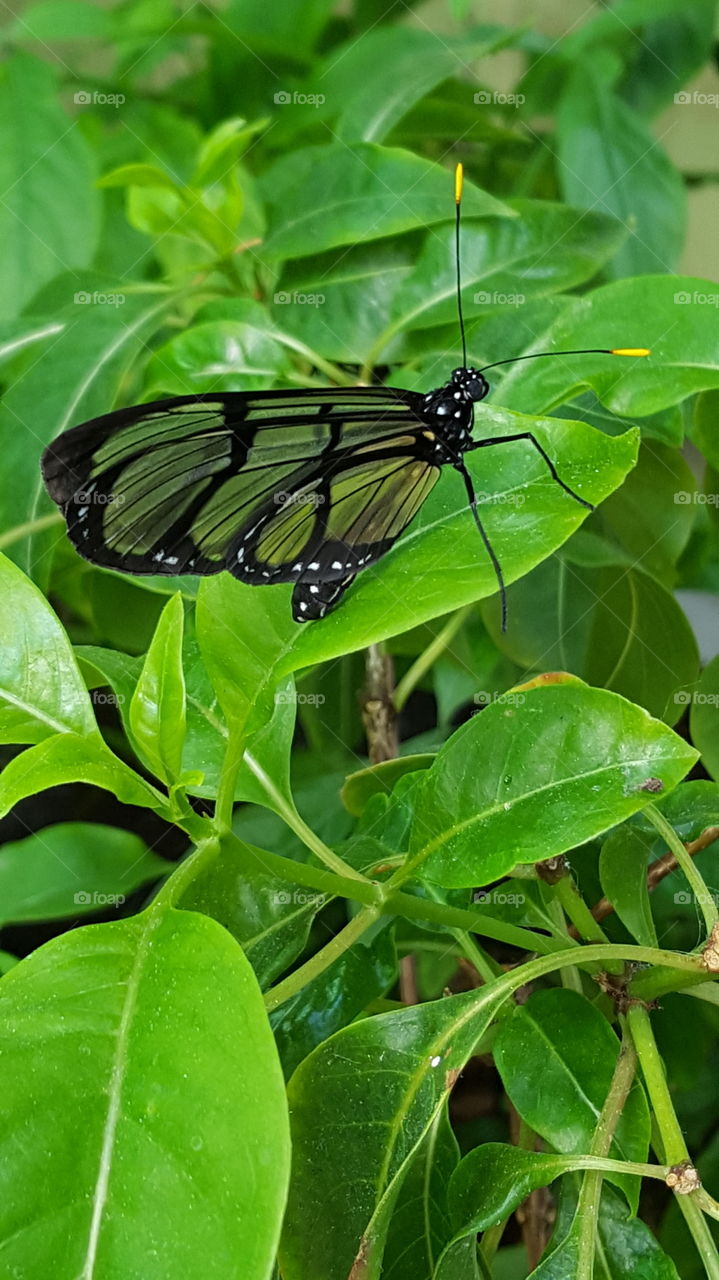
(460, 467)
(527, 435)
(312, 600)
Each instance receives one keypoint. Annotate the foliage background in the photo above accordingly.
(216, 198)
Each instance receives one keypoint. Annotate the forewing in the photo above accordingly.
(166, 487)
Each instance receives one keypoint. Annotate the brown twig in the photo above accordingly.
(378, 712)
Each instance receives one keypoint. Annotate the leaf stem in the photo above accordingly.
(422, 664)
(29, 527)
(231, 764)
(576, 909)
(313, 967)
(674, 1149)
(185, 872)
(695, 880)
(287, 811)
(591, 1193)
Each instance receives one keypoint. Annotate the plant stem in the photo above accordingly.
(225, 801)
(576, 909)
(30, 526)
(287, 811)
(333, 371)
(185, 872)
(342, 942)
(695, 880)
(305, 873)
(674, 1149)
(428, 657)
(591, 1192)
(639, 1024)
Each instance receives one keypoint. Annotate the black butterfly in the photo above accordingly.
(308, 487)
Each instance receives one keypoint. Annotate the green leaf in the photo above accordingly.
(672, 315)
(73, 868)
(22, 332)
(243, 637)
(624, 1247)
(494, 1179)
(372, 103)
(360, 786)
(41, 690)
(703, 717)
(440, 563)
(157, 711)
(138, 175)
(50, 20)
(69, 758)
(361, 1105)
(672, 49)
(340, 302)
(207, 735)
(323, 196)
(156, 1027)
(523, 782)
(221, 149)
(292, 31)
(76, 379)
(609, 159)
(562, 1040)
(546, 248)
(623, 872)
(651, 516)
(49, 217)
(612, 625)
(268, 916)
(335, 997)
(222, 355)
(420, 1222)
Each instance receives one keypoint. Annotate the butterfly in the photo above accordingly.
(302, 486)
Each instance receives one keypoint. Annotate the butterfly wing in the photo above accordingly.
(341, 519)
(167, 487)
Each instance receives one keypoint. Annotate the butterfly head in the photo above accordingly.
(471, 382)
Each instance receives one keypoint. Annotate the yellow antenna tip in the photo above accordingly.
(458, 179)
(631, 351)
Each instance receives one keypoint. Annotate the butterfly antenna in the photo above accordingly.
(458, 181)
(585, 351)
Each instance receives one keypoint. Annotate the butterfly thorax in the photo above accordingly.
(450, 412)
